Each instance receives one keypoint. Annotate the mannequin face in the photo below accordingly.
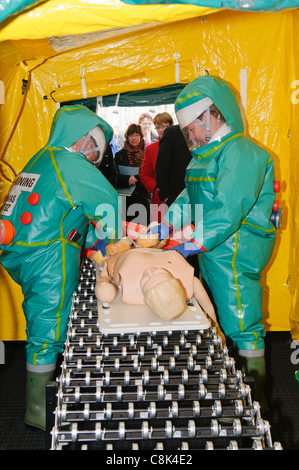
(153, 276)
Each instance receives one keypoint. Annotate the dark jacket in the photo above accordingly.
(108, 167)
(139, 196)
(172, 160)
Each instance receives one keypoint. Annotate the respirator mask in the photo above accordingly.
(192, 113)
(97, 136)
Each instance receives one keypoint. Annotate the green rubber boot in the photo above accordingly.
(253, 364)
(36, 398)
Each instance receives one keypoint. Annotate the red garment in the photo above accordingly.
(147, 177)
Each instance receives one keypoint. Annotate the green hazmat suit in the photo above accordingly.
(58, 194)
(229, 196)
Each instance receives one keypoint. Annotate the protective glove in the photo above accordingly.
(163, 229)
(101, 245)
(188, 248)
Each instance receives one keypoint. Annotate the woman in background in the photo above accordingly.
(145, 120)
(136, 198)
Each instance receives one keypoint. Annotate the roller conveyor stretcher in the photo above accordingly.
(169, 390)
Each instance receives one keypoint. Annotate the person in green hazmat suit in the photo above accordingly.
(58, 205)
(229, 197)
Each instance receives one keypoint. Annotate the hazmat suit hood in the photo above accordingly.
(219, 93)
(70, 123)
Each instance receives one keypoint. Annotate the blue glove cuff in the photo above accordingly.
(163, 229)
(187, 249)
(101, 245)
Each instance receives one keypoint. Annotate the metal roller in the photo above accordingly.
(148, 430)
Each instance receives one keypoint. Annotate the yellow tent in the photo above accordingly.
(123, 48)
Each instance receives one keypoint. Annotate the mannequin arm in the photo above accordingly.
(105, 291)
(203, 299)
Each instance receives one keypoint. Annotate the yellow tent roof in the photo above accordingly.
(56, 26)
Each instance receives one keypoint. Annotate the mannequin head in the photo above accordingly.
(163, 294)
(167, 299)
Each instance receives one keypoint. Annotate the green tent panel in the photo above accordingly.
(245, 5)
(90, 103)
(152, 97)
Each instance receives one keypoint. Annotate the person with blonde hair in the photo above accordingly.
(146, 122)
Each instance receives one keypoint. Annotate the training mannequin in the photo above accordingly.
(162, 280)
